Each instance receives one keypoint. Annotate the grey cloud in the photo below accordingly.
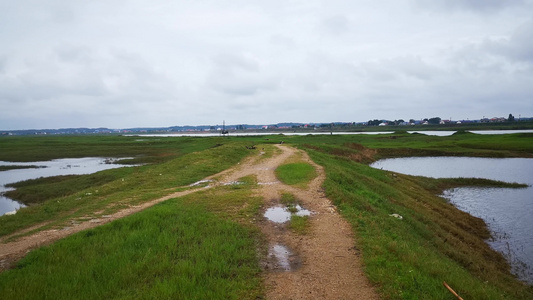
(3, 62)
(238, 74)
(335, 25)
(174, 62)
(400, 67)
(468, 5)
(511, 53)
(75, 54)
(282, 40)
(231, 62)
(76, 80)
(519, 46)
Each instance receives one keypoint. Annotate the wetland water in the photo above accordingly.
(67, 166)
(508, 212)
(288, 133)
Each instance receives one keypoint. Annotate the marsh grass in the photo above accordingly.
(297, 174)
(143, 149)
(289, 200)
(268, 150)
(6, 168)
(113, 189)
(197, 247)
(406, 259)
(404, 144)
(434, 242)
(298, 224)
(36, 191)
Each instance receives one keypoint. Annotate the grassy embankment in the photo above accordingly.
(434, 242)
(196, 247)
(180, 162)
(201, 246)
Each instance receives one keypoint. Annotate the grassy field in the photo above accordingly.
(195, 247)
(405, 259)
(142, 149)
(434, 242)
(402, 144)
(107, 191)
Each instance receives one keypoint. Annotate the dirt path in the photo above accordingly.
(322, 264)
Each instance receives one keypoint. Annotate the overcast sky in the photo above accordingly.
(120, 64)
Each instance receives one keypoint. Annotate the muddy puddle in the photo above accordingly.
(279, 214)
(233, 183)
(201, 182)
(281, 258)
(268, 183)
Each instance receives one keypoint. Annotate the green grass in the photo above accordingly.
(404, 144)
(406, 259)
(289, 200)
(196, 247)
(113, 189)
(299, 224)
(434, 242)
(36, 191)
(142, 149)
(299, 174)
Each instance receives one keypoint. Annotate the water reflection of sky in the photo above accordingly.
(280, 214)
(426, 132)
(67, 166)
(508, 212)
(503, 169)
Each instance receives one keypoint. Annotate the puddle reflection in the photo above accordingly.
(282, 255)
(280, 214)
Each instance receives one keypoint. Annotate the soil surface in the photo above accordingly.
(321, 264)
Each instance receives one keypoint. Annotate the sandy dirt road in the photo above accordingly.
(322, 264)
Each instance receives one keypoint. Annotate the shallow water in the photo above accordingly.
(426, 132)
(434, 132)
(282, 255)
(280, 214)
(67, 166)
(179, 134)
(201, 182)
(501, 131)
(508, 212)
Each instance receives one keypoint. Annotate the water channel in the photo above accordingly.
(288, 133)
(56, 167)
(508, 212)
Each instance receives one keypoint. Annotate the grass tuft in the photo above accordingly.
(298, 174)
(299, 224)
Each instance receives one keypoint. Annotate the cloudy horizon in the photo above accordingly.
(124, 64)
